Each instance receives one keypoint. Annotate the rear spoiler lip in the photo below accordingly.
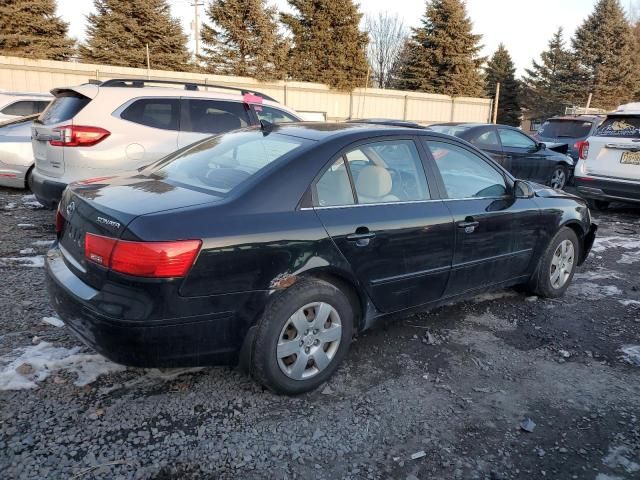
(87, 90)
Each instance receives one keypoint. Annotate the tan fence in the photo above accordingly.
(22, 74)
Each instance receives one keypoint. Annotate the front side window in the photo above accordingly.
(465, 174)
(512, 139)
(221, 163)
(163, 113)
(333, 188)
(213, 116)
(273, 115)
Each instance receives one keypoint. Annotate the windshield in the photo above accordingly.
(221, 163)
(565, 129)
(453, 130)
(622, 126)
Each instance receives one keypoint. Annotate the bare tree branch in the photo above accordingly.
(387, 36)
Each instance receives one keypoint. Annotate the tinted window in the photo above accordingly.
(624, 126)
(389, 171)
(466, 175)
(273, 115)
(154, 112)
(63, 108)
(221, 163)
(488, 140)
(211, 116)
(449, 129)
(20, 109)
(514, 139)
(565, 128)
(334, 187)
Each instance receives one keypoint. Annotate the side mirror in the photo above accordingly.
(542, 146)
(522, 189)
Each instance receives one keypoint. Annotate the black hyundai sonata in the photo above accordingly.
(272, 247)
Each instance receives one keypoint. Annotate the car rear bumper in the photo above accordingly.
(608, 190)
(48, 192)
(211, 338)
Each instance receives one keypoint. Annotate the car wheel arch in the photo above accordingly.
(578, 230)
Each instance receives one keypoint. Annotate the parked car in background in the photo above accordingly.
(570, 129)
(121, 125)
(274, 245)
(523, 156)
(16, 152)
(609, 165)
(16, 104)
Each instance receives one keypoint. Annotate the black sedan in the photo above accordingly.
(272, 247)
(516, 151)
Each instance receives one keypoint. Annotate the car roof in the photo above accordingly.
(627, 109)
(586, 118)
(464, 124)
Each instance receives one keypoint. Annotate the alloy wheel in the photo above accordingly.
(309, 341)
(558, 179)
(562, 264)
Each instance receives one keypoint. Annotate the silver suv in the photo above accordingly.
(103, 130)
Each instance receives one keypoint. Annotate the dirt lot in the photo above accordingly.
(438, 395)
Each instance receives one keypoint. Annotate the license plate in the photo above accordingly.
(631, 158)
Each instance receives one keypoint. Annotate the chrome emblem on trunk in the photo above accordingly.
(71, 208)
(108, 223)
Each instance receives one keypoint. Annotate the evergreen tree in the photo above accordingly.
(117, 34)
(443, 54)
(328, 46)
(603, 47)
(243, 40)
(553, 83)
(501, 69)
(30, 28)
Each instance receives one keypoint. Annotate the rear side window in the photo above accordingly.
(212, 116)
(565, 129)
(221, 163)
(63, 108)
(486, 140)
(622, 126)
(273, 115)
(512, 139)
(163, 113)
(333, 188)
(21, 108)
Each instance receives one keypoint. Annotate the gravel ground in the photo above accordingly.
(437, 395)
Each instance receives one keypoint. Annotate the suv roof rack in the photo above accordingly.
(191, 86)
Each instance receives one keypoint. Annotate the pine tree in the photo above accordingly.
(500, 69)
(552, 84)
(117, 34)
(30, 28)
(603, 46)
(327, 46)
(443, 54)
(243, 40)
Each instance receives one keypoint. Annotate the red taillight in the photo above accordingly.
(79, 136)
(59, 222)
(583, 150)
(142, 259)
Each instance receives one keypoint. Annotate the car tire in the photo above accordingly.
(559, 177)
(290, 317)
(599, 205)
(557, 265)
(28, 183)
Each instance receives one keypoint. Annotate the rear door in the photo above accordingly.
(201, 118)
(49, 159)
(614, 151)
(495, 233)
(521, 155)
(378, 207)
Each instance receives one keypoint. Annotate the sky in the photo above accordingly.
(524, 26)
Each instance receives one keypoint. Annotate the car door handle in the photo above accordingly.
(362, 236)
(469, 225)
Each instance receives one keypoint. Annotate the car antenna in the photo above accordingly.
(266, 127)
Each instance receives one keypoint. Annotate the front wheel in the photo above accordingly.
(558, 178)
(302, 337)
(557, 265)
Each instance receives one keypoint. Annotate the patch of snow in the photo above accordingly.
(606, 243)
(630, 303)
(26, 225)
(45, 359)
(55, 321)
(486, 297)
(35, 261)
(27, 251)
(35, 204)
(629, 258)
(597, 275)
(593, 291)
(631, 354)
(617, 459)
(28, 198)
(604, 476)
(43, 243)
(9, 206)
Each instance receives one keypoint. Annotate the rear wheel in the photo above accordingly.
(558, 178)
(29, 180)
(302, 338)
(557, 265)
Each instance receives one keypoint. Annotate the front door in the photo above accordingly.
(521, 153)
(375, 203)
(495, 233)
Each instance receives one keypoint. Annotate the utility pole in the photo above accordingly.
(495, 104)
(148, 64)
(196, 24)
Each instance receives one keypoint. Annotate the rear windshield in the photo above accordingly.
(565, 129)
(449, 129)
(221, 163)
(63, 108)
(622, 126)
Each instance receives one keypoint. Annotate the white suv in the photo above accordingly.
(609, 165)
(100, 130)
